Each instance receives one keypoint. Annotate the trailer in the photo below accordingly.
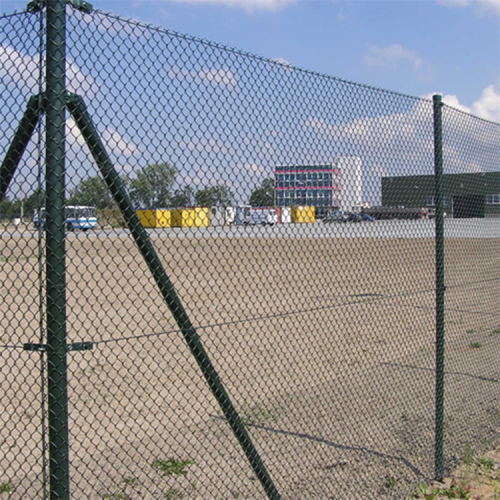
(387, 213)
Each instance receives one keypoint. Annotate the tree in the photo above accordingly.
(182, 197)
(153, 186)
(263, 196)
(91, 191)
(9, 209)
(34, 201)
(213, 196)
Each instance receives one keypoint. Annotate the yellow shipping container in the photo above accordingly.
(191, 217)
(303, 215)
(157, 217)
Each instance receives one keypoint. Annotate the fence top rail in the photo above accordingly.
(240, 52)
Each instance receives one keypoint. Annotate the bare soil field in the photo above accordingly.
(325, 346)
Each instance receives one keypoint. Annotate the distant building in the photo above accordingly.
(320, 186)
(469, 195)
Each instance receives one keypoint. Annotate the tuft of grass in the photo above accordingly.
(6, 487)
(171, 494)
(486, 463)
(468, 454)
(391, 482)
(259, 415)
(129, 480)
(456, 491)
(476, 345)
(172, 465)
(471, 331)
(496, 330)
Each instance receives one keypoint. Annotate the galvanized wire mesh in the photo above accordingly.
(320, 322)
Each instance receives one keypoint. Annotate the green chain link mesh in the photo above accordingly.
(294, 214)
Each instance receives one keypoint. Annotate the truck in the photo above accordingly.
(260, 216)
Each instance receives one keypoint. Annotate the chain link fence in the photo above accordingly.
(249, 296)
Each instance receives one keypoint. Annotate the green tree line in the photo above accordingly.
(153, 186)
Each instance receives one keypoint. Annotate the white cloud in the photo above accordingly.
(22, 70)
(248, 5)
(395, 54)
(488, 105)
(114, 141)
(205, 75)
(282, 61)
(482, 6)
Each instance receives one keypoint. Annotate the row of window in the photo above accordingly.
(491, 199)
(309, 176)
(447, 200)
(303, 197)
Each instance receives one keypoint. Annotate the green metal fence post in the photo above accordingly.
(56, 254)
(440, 287)
(78, 110)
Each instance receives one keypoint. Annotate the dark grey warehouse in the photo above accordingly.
(473, 195)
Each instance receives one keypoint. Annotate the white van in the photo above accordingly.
(262, 216)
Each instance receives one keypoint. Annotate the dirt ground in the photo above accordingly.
(476, 479)
(325, 346)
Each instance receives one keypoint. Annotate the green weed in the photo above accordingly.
(259, 415)
(7, 487)
(476, 345)
(391, 482)
(468, 454)
(172, 465)
(171, 494)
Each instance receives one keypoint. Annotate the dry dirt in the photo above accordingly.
(325, 346)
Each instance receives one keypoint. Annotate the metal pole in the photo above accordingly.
(23, 134)
(79, 112)
(440, 287)
(56, 253)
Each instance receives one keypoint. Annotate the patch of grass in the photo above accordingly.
(391, 482)
(172, 465)
(471, 331)
(6, 487)
(456, 491)
(476, 345)
(171, 494)
(460, 491)
(468, 454)
(259, 415)
(496, 330)
(236, 494)
(486, 463)
(129, 480)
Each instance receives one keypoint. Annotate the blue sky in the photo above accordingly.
(413, 47)
(239, 117)
(410, 46)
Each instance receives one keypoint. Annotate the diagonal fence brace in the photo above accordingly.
(34, 110)
(78, 110)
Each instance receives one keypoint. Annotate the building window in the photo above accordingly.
(447, 200)
(493, 199)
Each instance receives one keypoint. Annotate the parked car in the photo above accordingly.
(336, 216)
(354, 217)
